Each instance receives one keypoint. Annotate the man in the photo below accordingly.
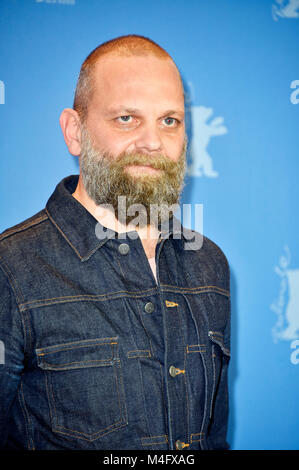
(116, 333)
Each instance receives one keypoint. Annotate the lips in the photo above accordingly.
(143, 166)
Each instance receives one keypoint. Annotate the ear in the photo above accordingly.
(70, 124)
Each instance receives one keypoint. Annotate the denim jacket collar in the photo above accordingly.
(78, 226)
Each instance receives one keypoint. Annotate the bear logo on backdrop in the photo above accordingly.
(201, 163)
(202, 129)
(285, 9)
(286, 306)
(294, 97)
(2, 92)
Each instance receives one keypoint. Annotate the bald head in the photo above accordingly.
(123, 46)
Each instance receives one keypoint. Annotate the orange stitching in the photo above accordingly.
(197, 348)
(86, 297)
(68, 346)
(88, 437)
(138, 353)
(202, 288)
(186, 393)
(164, 436)
(23, 227)
(153, 443)
(200, 434)
(77, 365)
(171, 304)
(64, 236)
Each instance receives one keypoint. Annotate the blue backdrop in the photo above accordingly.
(240, 65)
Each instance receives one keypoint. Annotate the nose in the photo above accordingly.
(149, 139)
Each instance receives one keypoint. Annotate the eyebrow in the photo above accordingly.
(126, 111)
(122, 109)
(173, 111)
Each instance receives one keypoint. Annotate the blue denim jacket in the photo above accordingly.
(98, 355)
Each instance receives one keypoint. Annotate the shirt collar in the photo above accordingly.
(78, 226)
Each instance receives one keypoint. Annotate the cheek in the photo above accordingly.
(108, 142)
(122, 145)
(174, 147)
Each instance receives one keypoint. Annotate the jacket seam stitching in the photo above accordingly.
(141, 375)
(79, 298)
(26, 417)
(97, 297)
(23, 227)
(199, 288)
(77, 345)
(185, 378)
(17, 294)
(64, 235)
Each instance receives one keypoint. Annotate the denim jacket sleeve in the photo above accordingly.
(12, 352)
(219, 419)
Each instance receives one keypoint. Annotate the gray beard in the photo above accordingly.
(107, 182)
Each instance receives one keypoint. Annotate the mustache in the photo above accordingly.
(158, 162)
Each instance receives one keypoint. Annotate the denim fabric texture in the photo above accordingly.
(98, 355)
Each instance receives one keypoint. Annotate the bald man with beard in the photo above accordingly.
(116, 331)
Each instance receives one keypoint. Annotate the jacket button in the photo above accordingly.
(124, 248)
(173, 371)
(179, 445)
(149, 307)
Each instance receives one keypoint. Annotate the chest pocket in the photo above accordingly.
(84, 387)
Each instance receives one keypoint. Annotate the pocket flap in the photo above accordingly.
(217, 338)
(78, 354)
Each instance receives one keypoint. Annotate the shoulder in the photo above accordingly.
(203, 246)
(213, 250)
(27, 224)
(206, 259)
(19, 234)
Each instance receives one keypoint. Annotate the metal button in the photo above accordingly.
(179, 445)
(173, 371)
(124, 248)
(149, 307)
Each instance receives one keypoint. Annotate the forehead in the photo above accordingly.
(141, 78)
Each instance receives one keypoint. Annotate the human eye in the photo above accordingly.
(170, 121)
(127, 119)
